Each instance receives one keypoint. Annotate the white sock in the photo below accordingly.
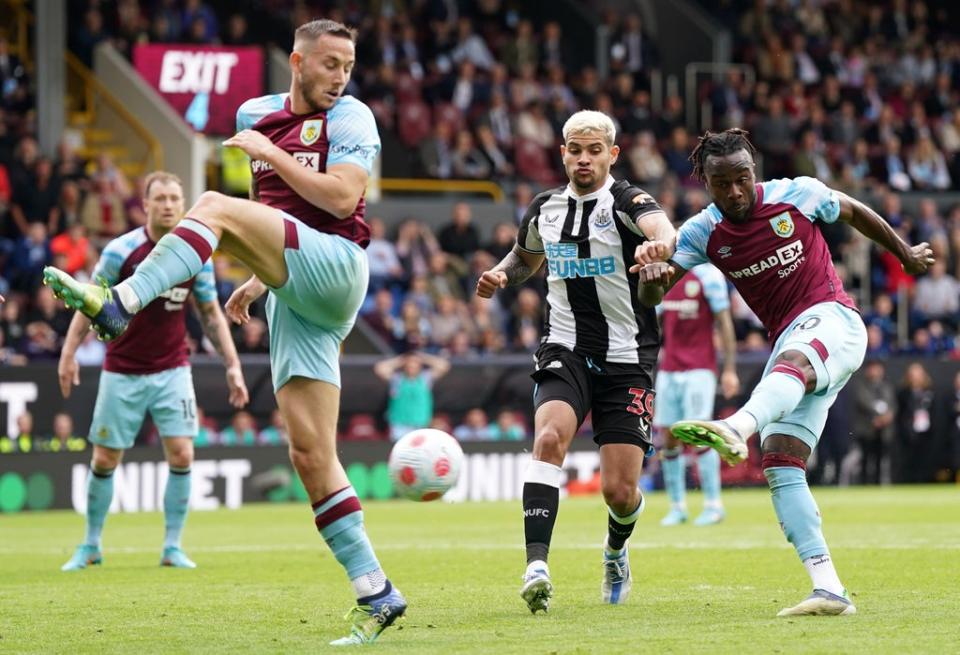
(743, 422)
(369, 584)
(536, 565)
(823, 575)
(680, 507)
(128, 298)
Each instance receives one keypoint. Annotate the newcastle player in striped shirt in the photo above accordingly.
(599, 347)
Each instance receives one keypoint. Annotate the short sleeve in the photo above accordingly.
(528, 236)
(205, 284)
(714, 287)
(253, 110)
(352, 133)
(812, 197)
(108, 267)
(692, 238)
(633, 203)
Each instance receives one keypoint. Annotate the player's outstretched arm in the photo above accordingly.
(661, 239)
(515, 268)
(217, 330)
(68, 371)
(915, 259)
(655, 280)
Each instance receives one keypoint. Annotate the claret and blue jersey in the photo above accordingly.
(777, 259)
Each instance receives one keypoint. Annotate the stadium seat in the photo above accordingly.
(533, 163)
(408, 89)
(444, 112)
(413, 122)
(362, 427)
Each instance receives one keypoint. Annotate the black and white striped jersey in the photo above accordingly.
(588, 242)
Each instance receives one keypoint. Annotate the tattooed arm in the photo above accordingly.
(515, 269)
(217, 330)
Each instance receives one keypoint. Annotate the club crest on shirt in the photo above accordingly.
(603, 220)
(310, 131)
(782, 225)
(691, 288)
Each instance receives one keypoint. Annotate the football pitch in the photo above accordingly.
(267, 584)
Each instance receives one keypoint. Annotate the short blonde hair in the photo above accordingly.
(163, 177)
(587, 121)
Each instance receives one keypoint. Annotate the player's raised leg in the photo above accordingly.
(620, 468)
(777, 394)
(310, 409)
(555, 424)
(99, 496)
(252, 232)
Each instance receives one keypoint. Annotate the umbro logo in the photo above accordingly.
(725, 252)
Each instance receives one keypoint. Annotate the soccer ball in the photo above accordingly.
(425, 464)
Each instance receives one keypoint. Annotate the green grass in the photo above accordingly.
(267, 584)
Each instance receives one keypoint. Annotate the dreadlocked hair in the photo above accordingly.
(719, 144)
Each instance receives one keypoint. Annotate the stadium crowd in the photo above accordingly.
(860, 95)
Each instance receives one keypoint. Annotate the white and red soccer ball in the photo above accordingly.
(425, 464)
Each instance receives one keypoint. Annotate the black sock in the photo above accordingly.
(618, 533)
(540, 503)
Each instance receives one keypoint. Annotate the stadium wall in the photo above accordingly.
(231, 477)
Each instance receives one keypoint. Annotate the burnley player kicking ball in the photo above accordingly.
(762, 236)
(311, 154)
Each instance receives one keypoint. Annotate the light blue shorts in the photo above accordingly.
(834, 339)
(314, 311)
(123, 400)
(684, 395)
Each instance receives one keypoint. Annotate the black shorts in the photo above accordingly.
(619, 395)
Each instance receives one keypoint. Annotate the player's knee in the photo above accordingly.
(549, 446)
(798, 360)
(181, 457)
(621, 496)
(210, 207)
(105, 461)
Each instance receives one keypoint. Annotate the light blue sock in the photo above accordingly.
(99, 497)
(674, 476)
(176, 258)
(339, 519)
(777, 394)
(176, 504)
(708, 465)
(796, 510)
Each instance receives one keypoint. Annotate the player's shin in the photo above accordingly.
(177, 257)
(674, 477)
(339, 518)
(99, 497)
(619, 528)
(708, 467)
(774, 397)
(541, 499)
(176, 502)
(798, 514)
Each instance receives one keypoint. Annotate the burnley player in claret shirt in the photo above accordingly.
(763, 237)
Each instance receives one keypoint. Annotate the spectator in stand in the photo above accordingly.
(253, 337)
(504, 236)
(459, 237)
(937, 295)
(497, 160)
(415, 245)
(30, 254)
(8, 356)
(916, 448)
(927, 167)
(892, 170)
(385, 267)
(242, 430)
(436, 153)
(411, 378)
(677, 157)
(64, 439)
(36, 201)
(197, 10)
(380, 317)
(275, 434)
(532, 125)
(875, 408)
(446, 277)
(467, 162)
(84, 39)
(507, 427)
(646, 162)
(73, 245)
(69, 205)
(46, 309)
(412, 330)
(450, 319)
(522, 50)
(102, 211)
(207, 434)
(878, 344)
(475, 426)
